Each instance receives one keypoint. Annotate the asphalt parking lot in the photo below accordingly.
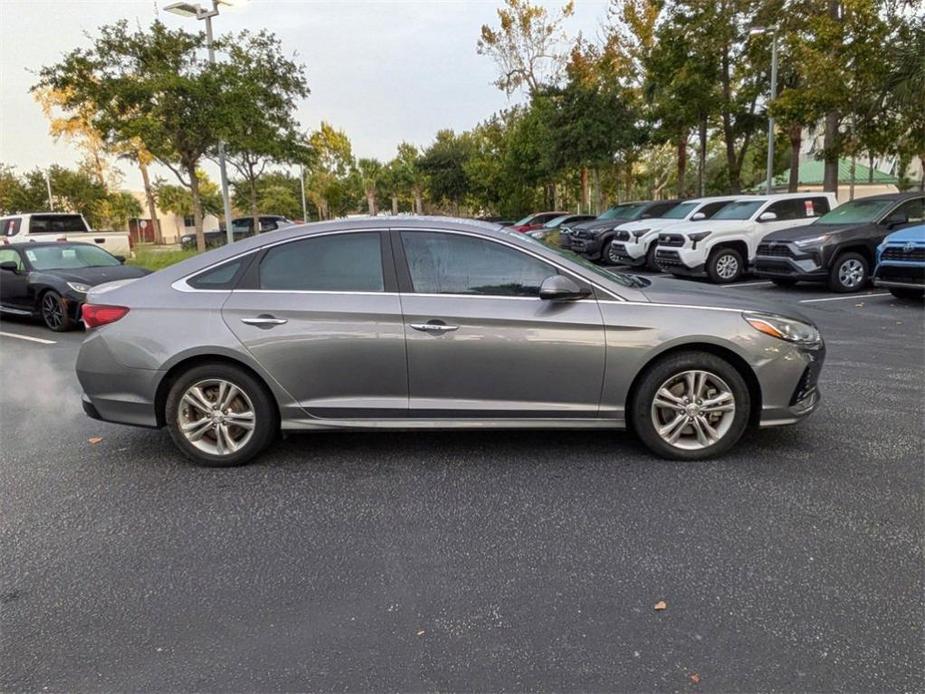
(473, 561)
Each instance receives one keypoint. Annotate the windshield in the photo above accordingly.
(743, 209)
(680, 211)
(556, 221)
(525, 220)
(629, 211)
(856, 212)
(69, 257)
(625, 279)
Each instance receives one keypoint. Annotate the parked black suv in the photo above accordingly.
(841, 246)
(591, 239)
(241, 227)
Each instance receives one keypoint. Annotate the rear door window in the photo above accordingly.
(56, 224)
(791, 208)
(336, 263)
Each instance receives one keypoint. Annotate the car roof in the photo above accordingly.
(908, 195)
(42, 244)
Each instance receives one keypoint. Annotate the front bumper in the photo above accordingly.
(628, 252)
(588, 247)
(680, 261)
(900, 275)
(787, 261)
(786, 403)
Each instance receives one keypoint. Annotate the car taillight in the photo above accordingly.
(96, 315)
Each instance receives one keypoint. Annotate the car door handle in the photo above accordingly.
(264, 321)
(434, 327)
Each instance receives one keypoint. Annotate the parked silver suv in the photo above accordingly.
(421, 323)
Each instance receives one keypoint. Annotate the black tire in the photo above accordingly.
(783, 282)
(640, 416)
(266, 416)
(611, 259)
(843, 281)
(721, 259)
(650, 258)
(53, 310)
(907, 293)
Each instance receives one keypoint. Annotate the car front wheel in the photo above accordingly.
(690, 406)
(849, 273)
(54, 312)
(219, 415)
(725, 265)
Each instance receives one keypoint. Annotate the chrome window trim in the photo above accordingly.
(181, 284)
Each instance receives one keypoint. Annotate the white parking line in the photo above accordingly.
(745, 284)
(843, 298)
(30, 339)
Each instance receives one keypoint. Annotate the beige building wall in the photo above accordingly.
(173, 226)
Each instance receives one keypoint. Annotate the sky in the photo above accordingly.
(381, 71)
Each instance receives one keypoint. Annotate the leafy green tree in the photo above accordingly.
(265, 131)
(526, 46)
(444, 162)
(277, 193)
(332, 182)
(178, 200)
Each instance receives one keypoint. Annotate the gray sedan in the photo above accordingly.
(424, 323)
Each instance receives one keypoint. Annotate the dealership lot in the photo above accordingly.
(461, 561)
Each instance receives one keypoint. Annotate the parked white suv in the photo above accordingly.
(723, 248)
(62, 226)
(634, 243)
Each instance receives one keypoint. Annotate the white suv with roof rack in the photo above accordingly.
(634, 243)
(725, 247)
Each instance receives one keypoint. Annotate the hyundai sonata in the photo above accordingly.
(424, 323)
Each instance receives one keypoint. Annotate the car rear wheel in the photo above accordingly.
(690, 406)
(54, 312)
(725, 265)
(907, 293)
(219, 415)
(848, 273)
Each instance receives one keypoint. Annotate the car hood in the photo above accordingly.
(99, 275)
(808, 231)
(656, 224)
(914, 234)
(682, 292)
(709, 225)
(599, 224)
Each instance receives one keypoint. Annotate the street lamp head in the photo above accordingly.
(184, 9)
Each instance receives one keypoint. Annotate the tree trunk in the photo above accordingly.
(830, 153)
(197, 207)
(598, 196)
(870, 167)
(149, 197)
(394, 204)
(732, 170)
(418, 201)
(371, 202)
(702, 158)
(796, 142)
(255, 215)
(682, 162)
(585, 206)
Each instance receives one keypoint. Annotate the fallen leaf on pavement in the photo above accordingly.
(421, 632)
(695, 678)
(661, 605)
(94, 439)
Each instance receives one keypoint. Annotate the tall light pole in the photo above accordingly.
(772, 30)
(302, 187)
(187, 9)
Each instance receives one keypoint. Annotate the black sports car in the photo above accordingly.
(51, 280)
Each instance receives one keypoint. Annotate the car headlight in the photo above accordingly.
(79, 287)
(788, 329)
(639, 233)
(813, 242)
(698, 236)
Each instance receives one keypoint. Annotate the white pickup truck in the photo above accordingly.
(55, 226)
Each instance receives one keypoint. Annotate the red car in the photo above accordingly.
(535, 221)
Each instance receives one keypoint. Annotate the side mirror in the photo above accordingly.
(9, 266)
(120, 258)
(697, 216)
(767, 217)
(561, 288)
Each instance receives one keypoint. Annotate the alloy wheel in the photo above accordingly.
(727, 266)
(52, 311)
(851, 273)
(216, 416)
(693, 410)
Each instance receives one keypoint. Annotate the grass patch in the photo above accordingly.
(156, 259)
